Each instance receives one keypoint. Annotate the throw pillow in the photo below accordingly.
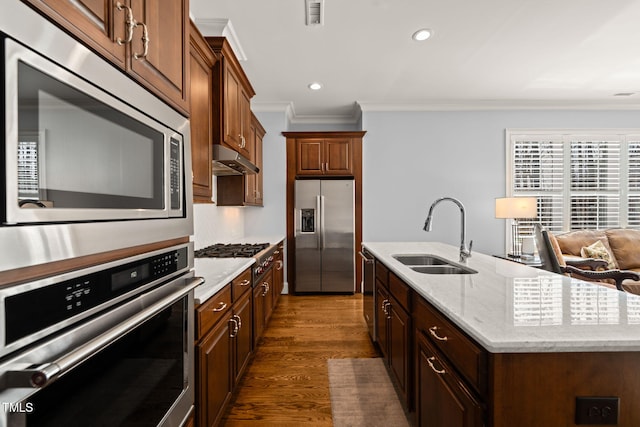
(597, 250)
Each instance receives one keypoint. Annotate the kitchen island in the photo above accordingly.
(509, 345)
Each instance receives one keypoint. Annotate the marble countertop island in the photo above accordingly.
(511, 308)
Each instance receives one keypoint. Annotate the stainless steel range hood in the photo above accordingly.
(229, 162)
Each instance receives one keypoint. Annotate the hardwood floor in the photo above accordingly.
(287, 384)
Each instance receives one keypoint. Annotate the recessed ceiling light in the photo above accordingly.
(315, 86)
(422, 34)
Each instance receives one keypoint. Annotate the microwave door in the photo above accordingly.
(76, 153)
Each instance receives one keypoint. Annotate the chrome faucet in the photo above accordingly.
(464, 251)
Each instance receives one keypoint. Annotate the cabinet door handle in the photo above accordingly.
(389, 310)
(234, 331)
(145, 41)
(221, 307)
(430, 361)
(238, 320)
(279, 265)
(432, 331)
(265, 285)
(383, 307)
(245, 282)
(130, 22)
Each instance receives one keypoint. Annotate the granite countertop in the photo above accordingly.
(511, 308)
(217, 272)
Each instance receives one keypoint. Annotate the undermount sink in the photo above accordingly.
(421, 259)
(432, 264)
(443, 269)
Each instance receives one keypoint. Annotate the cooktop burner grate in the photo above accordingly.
(232, 250)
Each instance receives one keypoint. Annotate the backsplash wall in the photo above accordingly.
(216, 224)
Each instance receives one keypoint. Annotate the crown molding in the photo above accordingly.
(288, 109)
(499, 105)
(217, 27)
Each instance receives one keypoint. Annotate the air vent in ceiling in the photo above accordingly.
(315, 12)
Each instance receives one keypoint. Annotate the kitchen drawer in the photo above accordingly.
(465, 355)
(382, 273)
(241, 284)
(400, 291)
(208, 313)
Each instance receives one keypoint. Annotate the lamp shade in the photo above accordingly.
(516, 207)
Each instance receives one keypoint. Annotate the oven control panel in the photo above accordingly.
(36, 309)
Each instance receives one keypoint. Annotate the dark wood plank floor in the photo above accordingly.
(287, 384)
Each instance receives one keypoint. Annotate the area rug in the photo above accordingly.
(362, 394)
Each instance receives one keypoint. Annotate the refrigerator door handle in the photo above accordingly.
(322, 236)
(319, 222)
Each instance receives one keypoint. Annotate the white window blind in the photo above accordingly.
(585, 180)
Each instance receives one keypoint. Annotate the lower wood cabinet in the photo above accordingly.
(213, 373)
(442, 399)
(262, 304)
(394, 339)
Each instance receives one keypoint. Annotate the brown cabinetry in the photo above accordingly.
(146, 39)
(262, 304)
(245, 190)
(201, 104)
(232, 93)
(394, 328)
(442, 399)
(224, 345)
(324, 156)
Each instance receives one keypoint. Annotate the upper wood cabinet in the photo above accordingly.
(324, 156)
(232, 100)
(245, 190)
(148, 39)
(201, 99)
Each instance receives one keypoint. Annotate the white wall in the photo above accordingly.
(412, 158)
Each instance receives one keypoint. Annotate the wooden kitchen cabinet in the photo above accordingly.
(153, 52)
(262, 305)
(232, 93)
(201, 105)
(245, 190)
(224, 346)
(324, 156)
(394, 330)
(213, 367)
(278, 273)
(442, 399)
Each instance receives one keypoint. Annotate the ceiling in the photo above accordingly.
(483, 54)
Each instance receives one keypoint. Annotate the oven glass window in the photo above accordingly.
(75, 151)
(133, 382)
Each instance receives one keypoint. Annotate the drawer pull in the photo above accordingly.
(245, 282)
(238, 319)
(221, 306)
(432, 331)
(430, 361)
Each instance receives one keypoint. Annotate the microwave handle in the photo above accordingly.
(46, 373)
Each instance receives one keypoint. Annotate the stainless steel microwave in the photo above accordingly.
(92, 161)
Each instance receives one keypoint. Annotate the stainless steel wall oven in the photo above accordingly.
(105, 345)
(89, 157)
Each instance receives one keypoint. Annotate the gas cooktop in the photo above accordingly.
(231, 250)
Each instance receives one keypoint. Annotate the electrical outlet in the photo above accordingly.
(597, 410)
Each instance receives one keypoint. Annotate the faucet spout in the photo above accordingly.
(464, 251)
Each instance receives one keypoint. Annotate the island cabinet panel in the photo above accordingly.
(540, 389)
(467, 356)
(442, 398)
(394, 331)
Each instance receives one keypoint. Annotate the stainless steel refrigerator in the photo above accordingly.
(324, 236)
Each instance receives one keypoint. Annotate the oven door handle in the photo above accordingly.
(44, 374)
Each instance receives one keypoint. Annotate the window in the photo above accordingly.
(582, 180)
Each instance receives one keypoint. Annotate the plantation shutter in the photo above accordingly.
(594, 183)
(633, 189)
(538, 171)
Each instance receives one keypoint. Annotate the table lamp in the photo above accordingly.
(516, 208)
